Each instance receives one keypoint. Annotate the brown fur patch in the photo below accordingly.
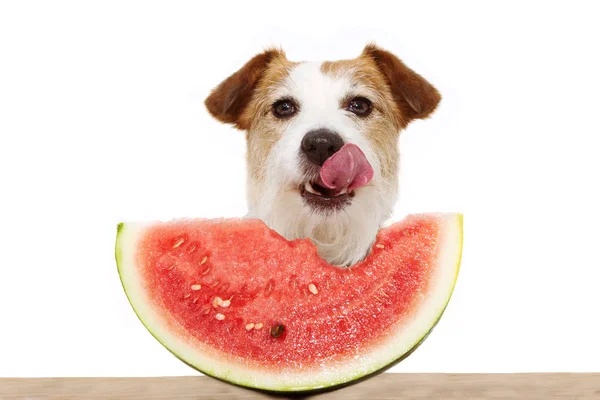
(403, 96)
(263, 130)
(382, 127)
(229, 100)
(415, 97)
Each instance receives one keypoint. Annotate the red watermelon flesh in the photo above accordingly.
(239, 302)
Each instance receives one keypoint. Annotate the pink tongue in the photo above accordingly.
(348, 167)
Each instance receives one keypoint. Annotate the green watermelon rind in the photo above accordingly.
(454, 233)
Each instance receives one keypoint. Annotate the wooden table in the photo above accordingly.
(384, 386)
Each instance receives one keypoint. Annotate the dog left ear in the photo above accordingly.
(415, 97)
(229, 99)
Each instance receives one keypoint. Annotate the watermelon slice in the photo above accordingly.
(239, 302)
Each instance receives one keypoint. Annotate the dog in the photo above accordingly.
(322, 143)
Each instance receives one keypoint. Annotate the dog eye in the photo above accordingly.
(284, 108)
(360, 106)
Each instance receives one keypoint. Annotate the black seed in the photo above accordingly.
(277, 330)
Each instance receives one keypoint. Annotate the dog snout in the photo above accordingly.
(320, 144)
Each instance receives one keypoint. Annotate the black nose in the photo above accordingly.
(320, 144)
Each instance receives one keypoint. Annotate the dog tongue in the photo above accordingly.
(348, 167)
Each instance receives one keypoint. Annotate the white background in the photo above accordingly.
(102, 120)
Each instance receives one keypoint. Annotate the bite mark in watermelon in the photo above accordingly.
(239, 302)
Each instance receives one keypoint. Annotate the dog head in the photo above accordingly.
(322, 142)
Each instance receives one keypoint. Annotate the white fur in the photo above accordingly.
(342, 237)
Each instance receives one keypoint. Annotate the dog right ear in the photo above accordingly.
(229, 99)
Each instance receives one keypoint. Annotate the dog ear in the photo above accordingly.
(415, 97)
(228, 100)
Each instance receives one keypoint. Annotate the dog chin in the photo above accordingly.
(343, 233)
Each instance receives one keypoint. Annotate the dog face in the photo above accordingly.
(322, 143)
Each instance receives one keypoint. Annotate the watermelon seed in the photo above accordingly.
(269, 289)
(203, 261)
(186, 296)
(195, 300)
(313, 288)
(217, 301)
(206, 311)
(196, 287)
(249, 326)
(379, 246)
(171, 267)
(220, 316)
(178, 243)
(226, 303)
(191, 250)
(258, 326)
(206, 271)
(277, 330)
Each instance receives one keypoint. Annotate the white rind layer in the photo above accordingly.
(387, 353)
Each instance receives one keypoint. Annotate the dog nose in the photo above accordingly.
(320, 144)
